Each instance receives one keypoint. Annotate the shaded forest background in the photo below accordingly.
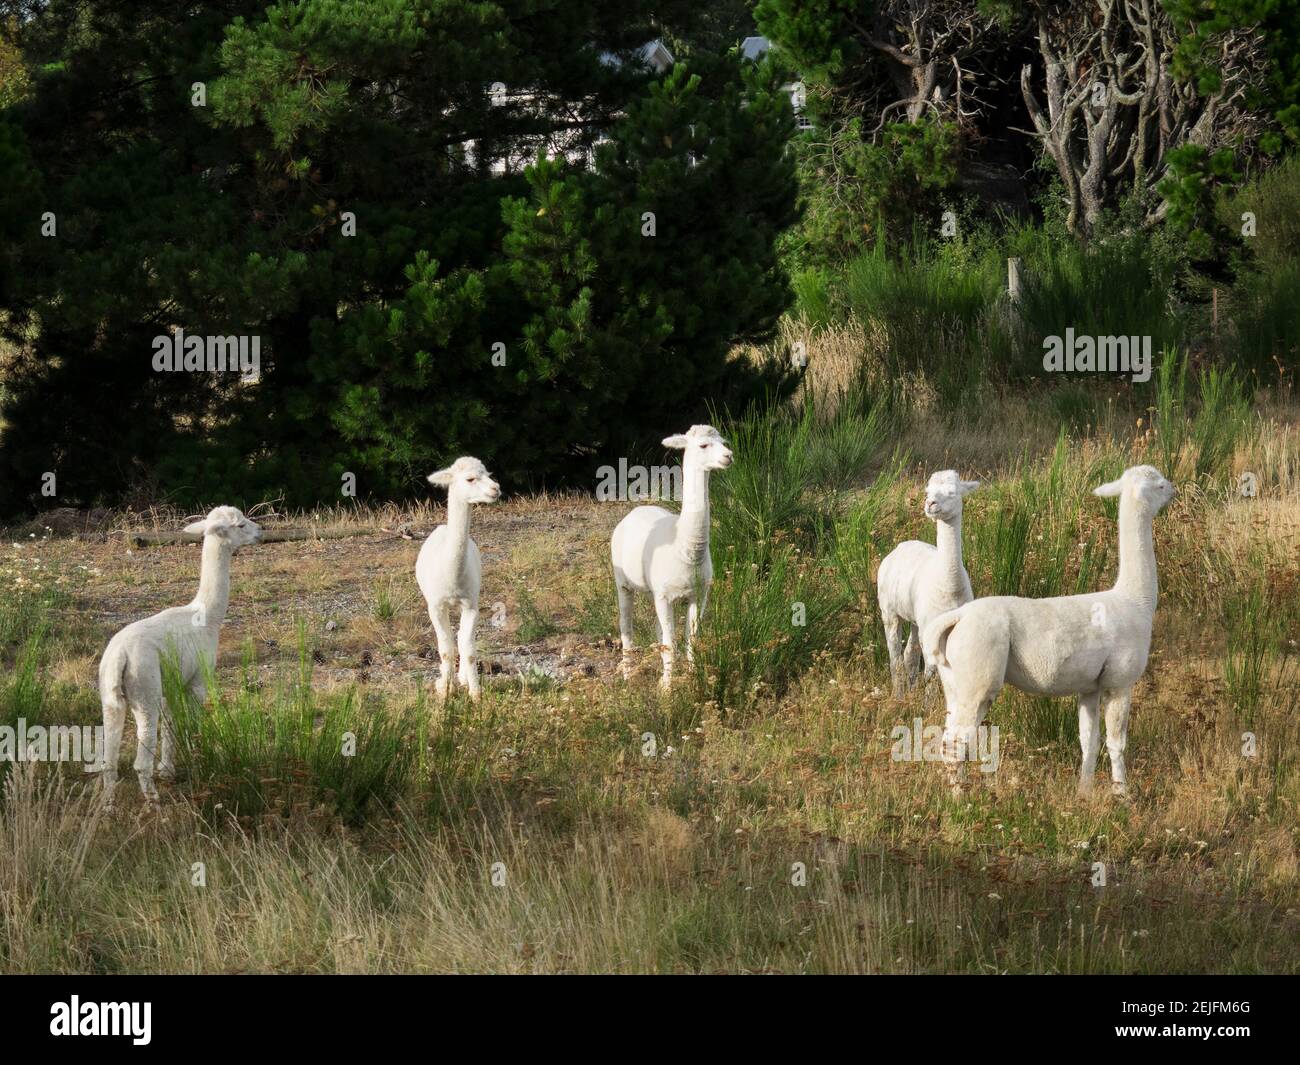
(202, 166)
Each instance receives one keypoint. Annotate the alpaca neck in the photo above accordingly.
(1137, 555)
(214, 580)
(692, 539)
(457, 532)
(948, 544)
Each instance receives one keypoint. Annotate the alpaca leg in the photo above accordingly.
(664, 609)
(167, 741)
(625, 599)
(959, 738)
(1118, 705)
(694, 611)
(166, 746)
(894, 643)
(1089, 739)
(146, 715)
(912, 654)
(468, 675)
(440, 614)
(926, 669)
(114, 722)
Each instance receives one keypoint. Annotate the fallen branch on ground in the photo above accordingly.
(269, 536)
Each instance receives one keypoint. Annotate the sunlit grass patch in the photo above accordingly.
(270, 749)
(574, 822)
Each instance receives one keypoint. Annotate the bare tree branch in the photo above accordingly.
(1113, 107)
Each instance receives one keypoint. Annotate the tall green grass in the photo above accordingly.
(920, 292)
(533, 624)
(264, 751)
(945, 314)
(23, 692)
(936, 304)
(938, 309)
(1258, 660)
(791, 465)
(1266, 321)
(777, 601)
(1261, 315)
(1113, 286)
(813, 296)
(866, 532)
(1273, 198)
(25, 612)
(1197, 438)
(766, 624)
(1041, 532)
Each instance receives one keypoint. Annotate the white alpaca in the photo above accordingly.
(667, 554)
(1094, 646)
(130, 673)
(450, 571)
(917, 581)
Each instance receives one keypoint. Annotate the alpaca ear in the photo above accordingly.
(678, 442)
(1109, 491)
(965, 487)
(442, 478)
(197, 528)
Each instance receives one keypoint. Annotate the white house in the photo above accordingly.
(654, 54)
(755, 48)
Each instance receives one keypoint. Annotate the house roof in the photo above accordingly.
(654, 54)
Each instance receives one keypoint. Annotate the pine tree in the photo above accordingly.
(319, 175)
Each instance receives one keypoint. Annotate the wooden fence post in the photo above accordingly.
(1015, 284)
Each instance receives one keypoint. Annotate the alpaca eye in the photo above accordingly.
(471, 480)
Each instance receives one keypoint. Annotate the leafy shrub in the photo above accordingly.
(1198, 445)
(258, 751)
(776, 601)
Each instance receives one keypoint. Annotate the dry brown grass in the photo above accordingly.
(683, 862)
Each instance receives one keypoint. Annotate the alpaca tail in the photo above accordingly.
(934, 640)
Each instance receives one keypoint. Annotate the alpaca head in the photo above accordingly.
(702, 447)
(230, 525)
(467, 479)
(1144, 485)
(944, 493)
